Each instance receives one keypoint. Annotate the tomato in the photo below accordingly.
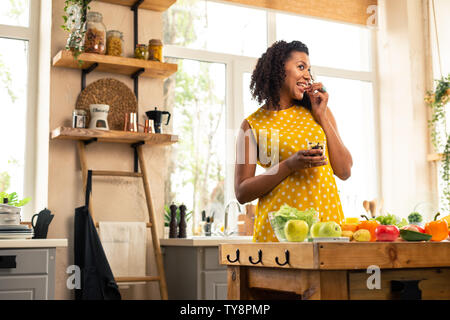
(387, 233)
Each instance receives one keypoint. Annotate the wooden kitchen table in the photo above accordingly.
(327, 270)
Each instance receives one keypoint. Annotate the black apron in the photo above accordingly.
(97, 280)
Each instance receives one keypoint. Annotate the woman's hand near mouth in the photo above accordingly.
(319, 101)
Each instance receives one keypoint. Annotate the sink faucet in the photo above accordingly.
(225, 227)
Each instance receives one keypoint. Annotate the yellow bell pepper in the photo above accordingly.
(447, 218)
(351, 220)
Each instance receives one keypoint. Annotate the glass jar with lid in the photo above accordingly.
(141, 52)
(155, 50)
(114, 43)
(95, 37)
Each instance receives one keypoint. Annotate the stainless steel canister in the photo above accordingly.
(79, 118)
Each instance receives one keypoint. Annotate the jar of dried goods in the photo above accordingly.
(141, 52)
(95, 38)
(114, 43)
(155, 47)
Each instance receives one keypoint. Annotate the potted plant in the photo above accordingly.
(75, 23)
(13, 199)
(11, 208)
(437, 100)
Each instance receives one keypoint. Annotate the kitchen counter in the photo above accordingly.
(326, 270)
(212, 241)
(33, 243)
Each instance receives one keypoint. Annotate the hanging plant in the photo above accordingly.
(75, 23)
(440, 139)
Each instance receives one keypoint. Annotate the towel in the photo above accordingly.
(125, 247)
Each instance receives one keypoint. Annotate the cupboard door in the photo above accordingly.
(23, 287)
(215, 283)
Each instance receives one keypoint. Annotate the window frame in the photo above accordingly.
(30, 34)
(237, 65)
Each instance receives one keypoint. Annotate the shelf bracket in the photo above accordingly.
(134, 146)
(86, 71)
(135, 77)
(135, 8)
(86, 142)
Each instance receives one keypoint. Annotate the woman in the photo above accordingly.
(293, 114)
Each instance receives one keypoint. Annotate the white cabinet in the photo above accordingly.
(27, 268)
(27, 274)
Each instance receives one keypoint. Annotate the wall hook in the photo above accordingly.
(286, 254)
(237, 257)
(259, 258)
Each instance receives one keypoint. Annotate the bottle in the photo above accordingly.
(182, 225)
(173, 221)
(95, 37)
(207, 227)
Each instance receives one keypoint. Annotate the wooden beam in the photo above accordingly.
(351, 11)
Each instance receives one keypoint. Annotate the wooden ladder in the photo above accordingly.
(151, 214)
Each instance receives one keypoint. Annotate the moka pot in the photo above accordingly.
(156, 115)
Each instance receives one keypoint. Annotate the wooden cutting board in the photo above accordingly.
(116, 94)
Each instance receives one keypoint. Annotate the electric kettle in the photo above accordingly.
(41, 225)
(156, 115)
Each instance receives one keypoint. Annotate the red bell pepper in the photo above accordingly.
(387, 233)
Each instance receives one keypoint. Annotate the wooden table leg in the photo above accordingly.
(238, 283)
(333, 285)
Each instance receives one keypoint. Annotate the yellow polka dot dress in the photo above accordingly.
(286, 132)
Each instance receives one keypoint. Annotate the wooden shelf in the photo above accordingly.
(155, 5)
(66, 133)
(435, 157)
(112, 64)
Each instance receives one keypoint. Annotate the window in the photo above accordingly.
(354, 118)
(197, 179)
(18, 63)
(440, 51)
(203, 97)
(330, 44)
(217, 27)
(215, 67)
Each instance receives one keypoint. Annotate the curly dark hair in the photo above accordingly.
(269, 74)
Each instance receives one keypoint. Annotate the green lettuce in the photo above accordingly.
(391, 219)
(280, 217)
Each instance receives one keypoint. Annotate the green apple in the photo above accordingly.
(330, 229)
(315, 229)
(296, 230)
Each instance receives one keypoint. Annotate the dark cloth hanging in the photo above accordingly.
(97, 280)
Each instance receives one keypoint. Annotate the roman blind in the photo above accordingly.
(351, 11)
